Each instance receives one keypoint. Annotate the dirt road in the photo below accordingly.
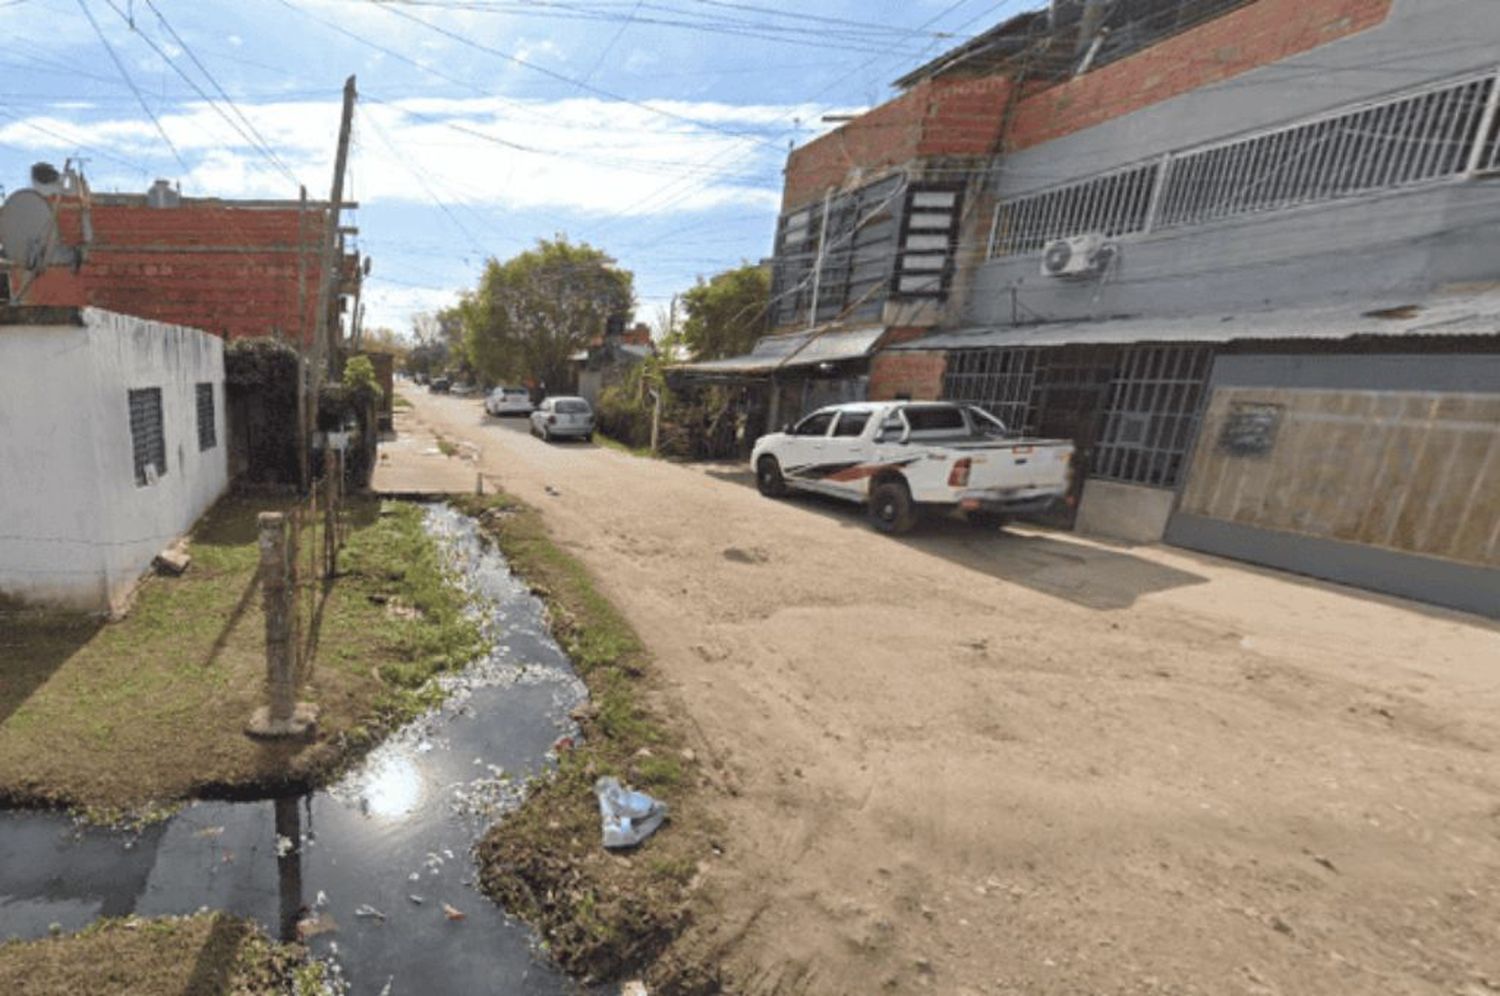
(1026, 763)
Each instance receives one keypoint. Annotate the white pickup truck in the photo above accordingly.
(898, 457)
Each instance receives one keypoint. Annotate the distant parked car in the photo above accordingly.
(508, 401)
(440, 385)
(563, 416)
(463, 390)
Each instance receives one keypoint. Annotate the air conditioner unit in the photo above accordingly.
(1079, 256)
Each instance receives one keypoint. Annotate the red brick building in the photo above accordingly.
(233, 268)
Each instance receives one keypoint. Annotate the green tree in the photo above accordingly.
(533, 311)
(726, 314)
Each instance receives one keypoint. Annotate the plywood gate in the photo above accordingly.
(1352, 467)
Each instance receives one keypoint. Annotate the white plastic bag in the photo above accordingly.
(628, 817)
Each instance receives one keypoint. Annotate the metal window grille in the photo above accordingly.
(857, 247)
(147, 441)
(1116, 203)
(1134, 25)
(998, 380)
(1409, 140)
(207, 435)
(1436, 133)
(1150, 413)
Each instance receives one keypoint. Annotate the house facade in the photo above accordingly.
(115, 442)
(1206, 240)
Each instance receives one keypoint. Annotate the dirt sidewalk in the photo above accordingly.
(1027, 763)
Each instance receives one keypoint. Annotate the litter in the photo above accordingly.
(312, 926)
(628, 817)
(416, 899)
(369, 912)
(453, 914)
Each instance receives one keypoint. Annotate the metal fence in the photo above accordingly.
(1436, 133)
(1150, 413)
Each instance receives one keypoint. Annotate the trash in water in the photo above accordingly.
(209, 832)
(416, 899)
(284, 846)
(635, 987)
(369, 912)
(453, 914)
(312, 926)
(628, 817)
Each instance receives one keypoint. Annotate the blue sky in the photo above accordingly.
(654, 129)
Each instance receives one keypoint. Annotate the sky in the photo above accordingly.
(655, 130)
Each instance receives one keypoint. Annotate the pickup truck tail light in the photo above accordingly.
(551, 419)
(958, 477)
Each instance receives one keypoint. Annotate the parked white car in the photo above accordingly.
(508, 401)
(899, 457)
(562, 417)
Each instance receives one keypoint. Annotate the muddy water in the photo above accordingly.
(394, 836)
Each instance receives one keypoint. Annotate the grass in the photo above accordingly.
(609, 442)
(206, 955)
(121, 720)
(446, 447)
(601, 914)
(399, 401)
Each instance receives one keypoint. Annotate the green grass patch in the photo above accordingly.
(601, 915)
(124, 719)
(205, 955)
(447, 447)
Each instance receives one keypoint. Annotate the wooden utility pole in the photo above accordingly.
(328, 353)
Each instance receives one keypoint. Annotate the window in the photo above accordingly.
(998, 380)
(207, 437)
(935, 418)
(1432, 134)
(147, 443)
(929, 232)
(852, 423)
(1116, 203)
(814, 425)
(572, 407)
(1150, 413)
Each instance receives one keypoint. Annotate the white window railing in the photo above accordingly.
(1435, 133)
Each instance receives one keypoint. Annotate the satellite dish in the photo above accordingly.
(28, 230)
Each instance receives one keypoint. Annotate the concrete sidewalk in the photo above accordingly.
(413, 462)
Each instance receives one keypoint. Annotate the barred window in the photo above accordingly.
(1116, 203)
(998, 380)
(1151, 413)
(207, 437)
(147, 441)
(1435, 133)
(1410, 140)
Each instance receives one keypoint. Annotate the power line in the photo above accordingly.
(131, 83)
(264, 144)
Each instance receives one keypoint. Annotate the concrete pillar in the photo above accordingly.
(284, 716)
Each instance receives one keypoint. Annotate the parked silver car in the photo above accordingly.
(561, 417)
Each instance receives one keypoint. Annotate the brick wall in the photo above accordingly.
(232, 271)
(1255, 35)
(918, 376)
(880, 138)
(962, 117)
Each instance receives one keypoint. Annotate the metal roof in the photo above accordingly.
(1459, 313)
(796, 349)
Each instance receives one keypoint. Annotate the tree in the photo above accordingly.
(726, 314)
(533, 311)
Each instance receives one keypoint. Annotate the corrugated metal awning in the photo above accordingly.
(1474, 312)
(796, 349)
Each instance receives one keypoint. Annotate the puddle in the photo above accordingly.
(397, 829)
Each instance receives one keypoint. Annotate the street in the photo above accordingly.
(1032, 763)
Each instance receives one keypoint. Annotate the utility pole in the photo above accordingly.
(812, 311)
(330, 239)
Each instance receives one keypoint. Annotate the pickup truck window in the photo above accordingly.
(935, 418)
(851, 423)
(814, 425)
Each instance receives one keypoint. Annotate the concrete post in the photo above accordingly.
(330, 512)
(285, 716)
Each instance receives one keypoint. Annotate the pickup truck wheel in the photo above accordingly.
(891, 508)
(768, 478)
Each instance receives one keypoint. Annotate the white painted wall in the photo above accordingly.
(75, 529)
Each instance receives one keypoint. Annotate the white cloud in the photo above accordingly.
(585, 155)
